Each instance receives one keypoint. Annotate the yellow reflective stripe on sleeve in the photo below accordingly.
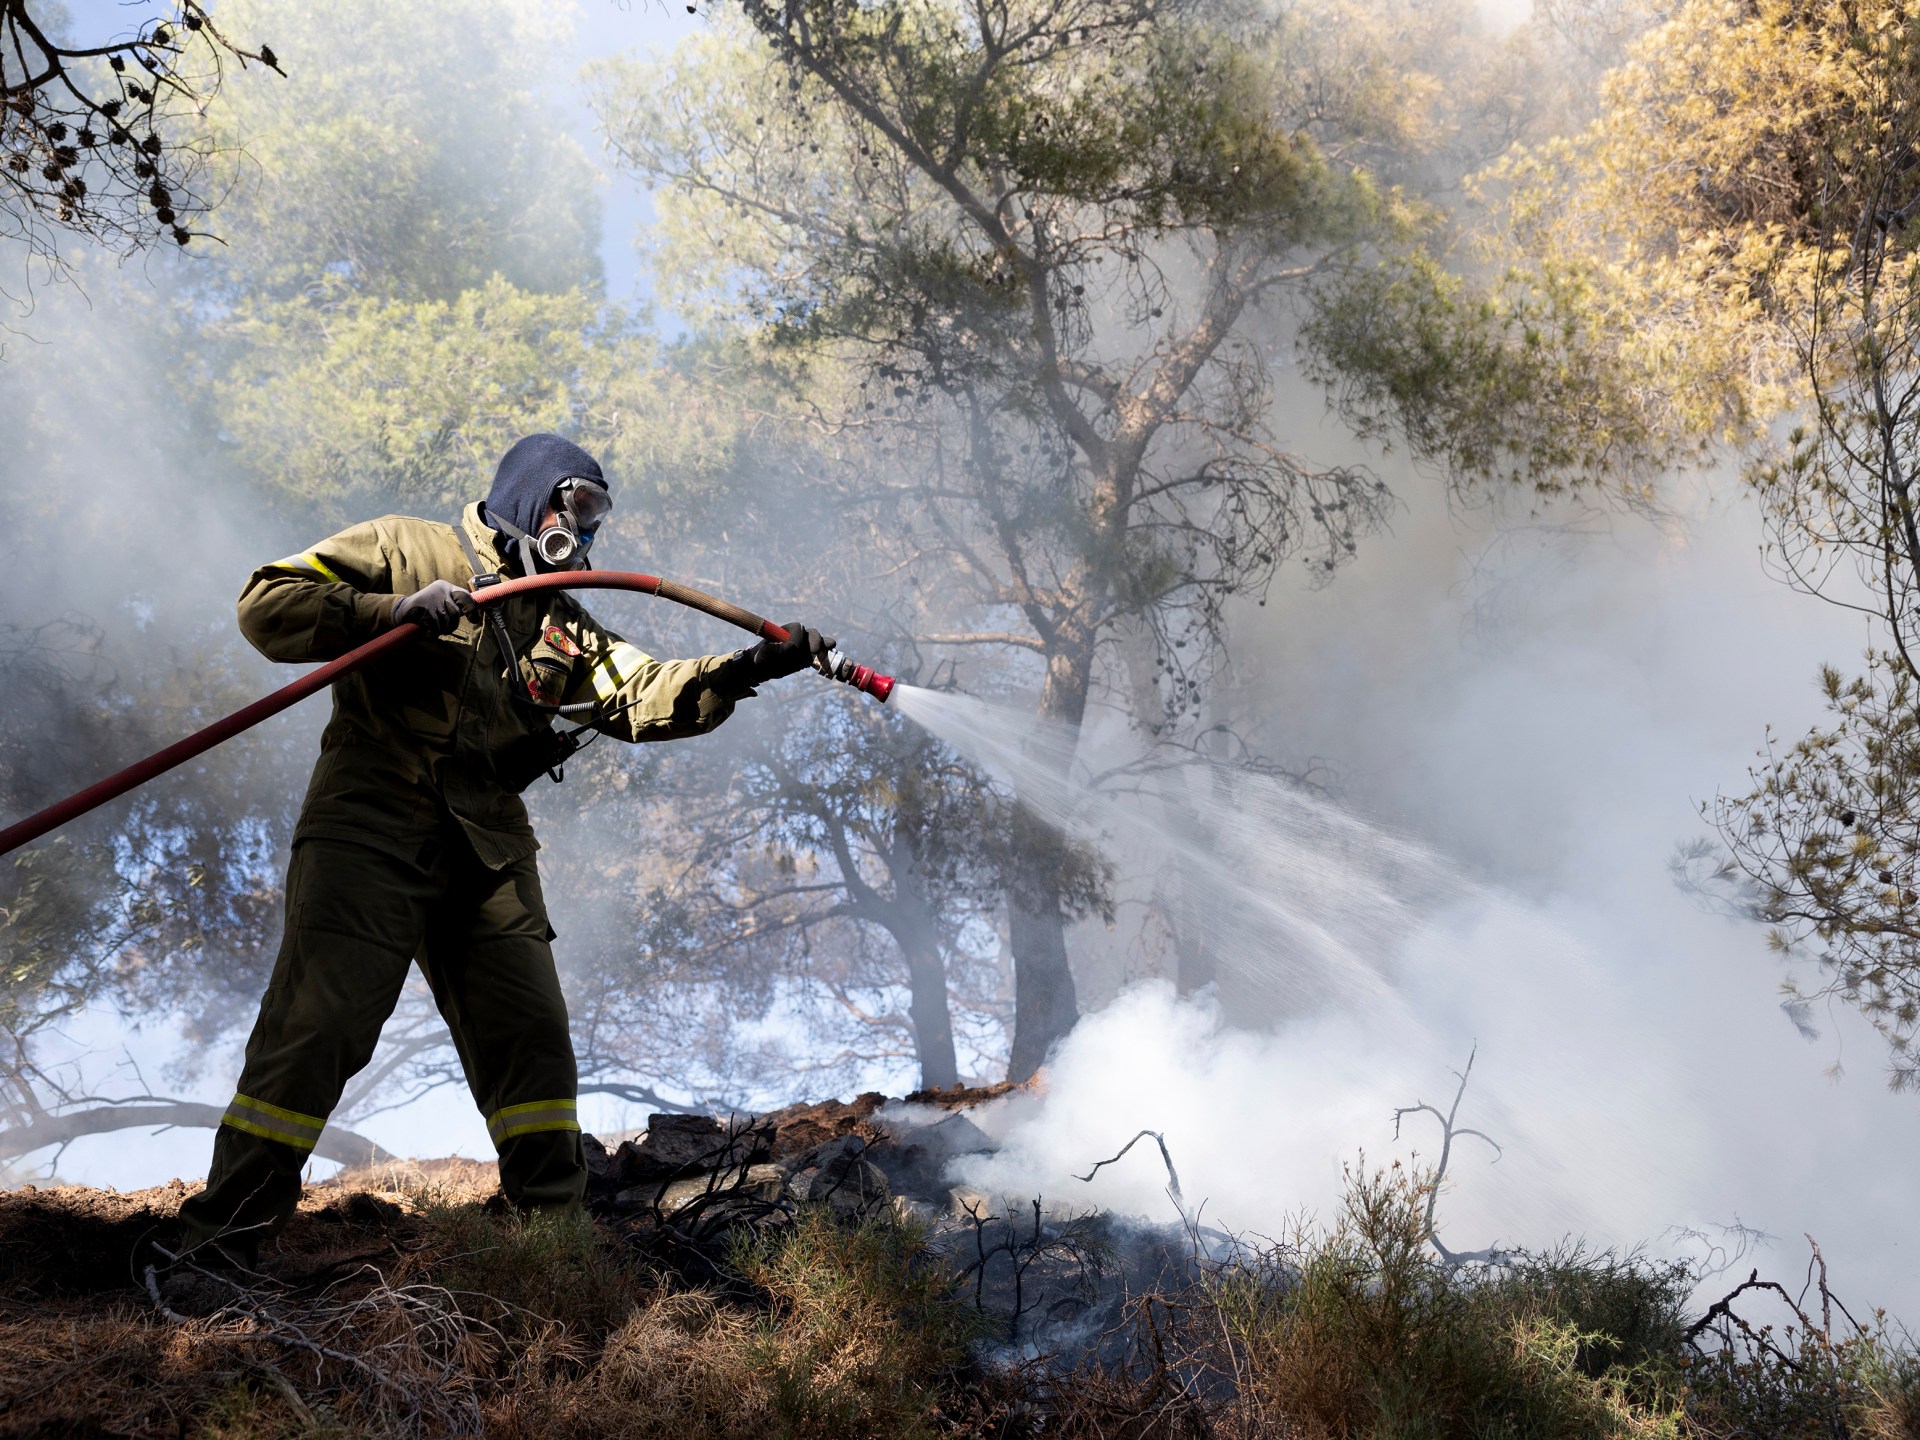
(307, 560)
(616, 667)
(534, 1115)
(273, 1122)
(317, 563)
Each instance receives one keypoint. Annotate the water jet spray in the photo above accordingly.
(861, 677)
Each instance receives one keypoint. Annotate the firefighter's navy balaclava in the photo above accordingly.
(523, 487)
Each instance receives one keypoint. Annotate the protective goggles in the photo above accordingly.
(581, 505)
(584, 503)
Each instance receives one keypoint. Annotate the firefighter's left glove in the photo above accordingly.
(435, 608)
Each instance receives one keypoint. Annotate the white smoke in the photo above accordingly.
(1546, 714)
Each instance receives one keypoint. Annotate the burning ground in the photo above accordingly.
(815, 1272)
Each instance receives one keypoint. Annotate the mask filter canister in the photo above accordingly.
(557, 546)
(579, 507)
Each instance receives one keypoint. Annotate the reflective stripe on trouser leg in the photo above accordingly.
(536, 1115)
(354, 918)
(274, 1122)
(489, 960)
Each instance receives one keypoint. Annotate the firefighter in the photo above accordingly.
(413, 843)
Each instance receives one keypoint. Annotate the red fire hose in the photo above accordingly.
(34, 826)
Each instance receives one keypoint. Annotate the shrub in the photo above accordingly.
(1363, 1330)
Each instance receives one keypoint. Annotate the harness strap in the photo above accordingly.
(482, 577)
(496, 614)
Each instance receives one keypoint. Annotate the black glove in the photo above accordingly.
(437, 608)
(772, 659)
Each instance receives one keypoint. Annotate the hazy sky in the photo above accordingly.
(599, 28)
(608, 27)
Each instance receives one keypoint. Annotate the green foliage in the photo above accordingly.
(1027, 266)
(1828, 844)
(52, 897)
(1740, 213)
(1826, 839)
(132, 906)
(1512, 388)
(413, 264)
(909, 129)
(405, 156)
(1802, 1384)
(377, 405)
(1627, 1310)
(956, 232)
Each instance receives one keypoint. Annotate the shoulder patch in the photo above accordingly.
(561, 641)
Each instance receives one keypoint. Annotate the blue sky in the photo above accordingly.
(614, 27)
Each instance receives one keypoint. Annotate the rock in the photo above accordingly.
(915, 1156)
(909, 1211)
(675, 1147)
(840, 1175)
(798, 1129)
(908, 1148)
(766, 1183)
(598, 1159)
(683, 1139)
(965, 1202)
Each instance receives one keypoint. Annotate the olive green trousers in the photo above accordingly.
(356, 919)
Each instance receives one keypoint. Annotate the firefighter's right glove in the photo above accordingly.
(436, 608)
(775, 659)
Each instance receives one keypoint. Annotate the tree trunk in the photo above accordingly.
(1045, 1004)
(932, 1021)
(912, 926)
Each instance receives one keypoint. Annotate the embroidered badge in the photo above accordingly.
(546, 683)
(561, 641)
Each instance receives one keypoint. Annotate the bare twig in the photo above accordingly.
(1173, 1176)
(1450, 1130)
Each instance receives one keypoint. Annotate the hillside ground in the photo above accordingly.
(762, 1301)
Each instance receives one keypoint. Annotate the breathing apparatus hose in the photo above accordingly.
(34, 826)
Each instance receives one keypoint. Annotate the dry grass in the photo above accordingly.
(864, 1330)
(506, 1326)
(852, 1332)
(294, 1372)
(470, 1323)
(679, 1366)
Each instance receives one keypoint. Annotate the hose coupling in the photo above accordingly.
(861, 677)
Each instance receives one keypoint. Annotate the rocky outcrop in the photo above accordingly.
(854, 1155)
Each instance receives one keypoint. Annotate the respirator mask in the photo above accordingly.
(579, 506)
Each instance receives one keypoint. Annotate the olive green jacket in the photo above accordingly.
(415, 735)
